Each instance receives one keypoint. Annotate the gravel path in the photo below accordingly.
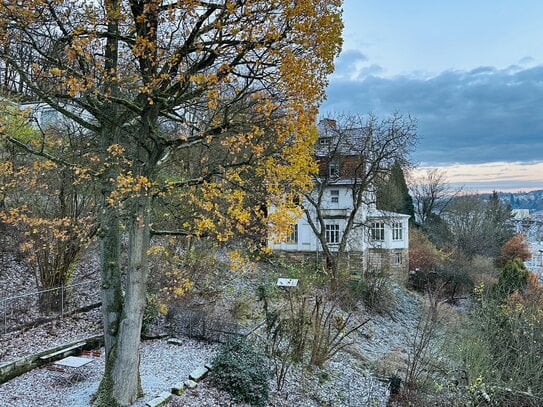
(344, 383)
(162, 365)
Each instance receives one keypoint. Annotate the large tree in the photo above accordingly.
(478, 227)
(237, 81)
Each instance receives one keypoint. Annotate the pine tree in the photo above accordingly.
(393, 194)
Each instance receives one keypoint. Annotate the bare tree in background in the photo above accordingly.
(431, 194)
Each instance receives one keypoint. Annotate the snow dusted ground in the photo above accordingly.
(342, 384)
(347, 380)
(162, 365)
(18, 344)
(388, 332)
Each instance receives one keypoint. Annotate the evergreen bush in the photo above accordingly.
(242, 371)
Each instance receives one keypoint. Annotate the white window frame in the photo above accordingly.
(398, 258)
(377, 231)
(331, 233)
(397, 231)
(324, 141)
(333, 169)
(293, 237)
(334, 196)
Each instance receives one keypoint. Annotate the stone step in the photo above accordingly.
(190, 384)
(160, 400)
(178, 388)
(175, 341)
(198, 374)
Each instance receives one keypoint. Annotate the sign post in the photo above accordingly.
(287, 282)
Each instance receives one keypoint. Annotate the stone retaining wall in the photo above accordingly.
(9, 370)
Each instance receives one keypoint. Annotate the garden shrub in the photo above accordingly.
(374, 290)
(513, 277)
(502, 344)
(241, 370)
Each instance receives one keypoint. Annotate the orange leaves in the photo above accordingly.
(44, 237)
(231, 6)
(144, 47)
(56, 71)
(116, 150)
(267, 107)
(282, 220)
(423, 255)
(46, 165)
(529, 297)
(246, 77)
(223, 210)
(516, 247)
(237, 260)
(129, 186)
(204, 224)
(176, 276)
(212, 99)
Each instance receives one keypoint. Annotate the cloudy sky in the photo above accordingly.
(471, 72)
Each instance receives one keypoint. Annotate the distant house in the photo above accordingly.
(379, 238)
(44, 116)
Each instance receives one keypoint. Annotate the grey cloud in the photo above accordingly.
(485, 114)
(527, 61)
(352, 65)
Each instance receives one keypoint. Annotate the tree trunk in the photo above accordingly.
(110, 275)
(120, 385)
(123, 315)
(332, 268)
(126, 383)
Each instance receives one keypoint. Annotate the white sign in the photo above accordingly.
(287, 282)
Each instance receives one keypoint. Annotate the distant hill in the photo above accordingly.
(532, 200)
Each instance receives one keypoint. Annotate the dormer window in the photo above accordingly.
(333, 170)
(324, 141)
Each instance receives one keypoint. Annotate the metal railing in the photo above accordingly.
(22, 310)
(198, 324)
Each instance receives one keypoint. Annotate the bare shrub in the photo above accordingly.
(422, 348)
(373, 289)
(307, 328)
(330, 329)
(503, 340)
(483, 271)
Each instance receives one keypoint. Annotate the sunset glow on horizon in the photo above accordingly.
(487, 177)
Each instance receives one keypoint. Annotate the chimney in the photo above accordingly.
(331, 123)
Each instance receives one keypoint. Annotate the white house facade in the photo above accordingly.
(377, 236)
